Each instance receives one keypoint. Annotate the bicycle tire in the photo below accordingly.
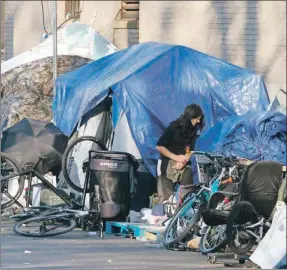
(21, 179)
(195, 218)
(66, 217)
(234, 214)
(202, 248)
(66, 156)
(32, 212)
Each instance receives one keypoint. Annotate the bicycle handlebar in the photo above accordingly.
(203, 154)
(227, 160)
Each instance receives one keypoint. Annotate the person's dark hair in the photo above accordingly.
(191, 111)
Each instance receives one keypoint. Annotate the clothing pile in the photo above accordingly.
(158, 212)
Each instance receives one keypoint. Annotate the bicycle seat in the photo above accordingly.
(214, 217)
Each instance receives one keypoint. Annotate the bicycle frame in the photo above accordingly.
(32, 172)
(259, 224)
(79, 213)
(207, 191)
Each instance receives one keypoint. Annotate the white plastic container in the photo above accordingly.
(36, 195)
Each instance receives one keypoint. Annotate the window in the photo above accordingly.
(130, 10)
(72, 9)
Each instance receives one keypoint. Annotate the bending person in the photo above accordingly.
(175, 146)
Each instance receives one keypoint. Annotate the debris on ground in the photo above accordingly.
(193, 243)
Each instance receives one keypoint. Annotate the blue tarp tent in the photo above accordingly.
(152, 83)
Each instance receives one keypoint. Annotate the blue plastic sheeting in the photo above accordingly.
(255, 136)
(153, 83)
(116, 112)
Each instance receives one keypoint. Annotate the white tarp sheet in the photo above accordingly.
(74, 39)
(271, 251)
(123, 140)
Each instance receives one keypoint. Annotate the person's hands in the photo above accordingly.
(181, 159)
(188, 156)
(178, 166)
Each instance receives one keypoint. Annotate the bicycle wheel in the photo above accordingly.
(74, 156)
(44, 226)
(213, 240)
(13, 186)
(35, 211)
(182, 223)
(214, 237)
(238, 239)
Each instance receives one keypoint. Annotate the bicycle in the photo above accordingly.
(251, 215)
(184, 222)
(69, 215)
(62, 218)
(10, 171)
(214, 236)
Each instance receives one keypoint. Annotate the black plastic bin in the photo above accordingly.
(114, 174)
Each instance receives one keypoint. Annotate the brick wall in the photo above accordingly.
(250, 34)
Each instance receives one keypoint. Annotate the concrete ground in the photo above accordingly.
(80, 250)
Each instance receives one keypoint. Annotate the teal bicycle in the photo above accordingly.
(184, 224)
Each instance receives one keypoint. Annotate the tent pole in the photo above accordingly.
(55, 67)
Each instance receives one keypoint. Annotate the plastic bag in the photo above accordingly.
(272, 249)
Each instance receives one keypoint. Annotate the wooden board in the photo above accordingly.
(155, 234)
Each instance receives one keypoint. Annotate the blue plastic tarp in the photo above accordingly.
(255, 136)
(152, 83)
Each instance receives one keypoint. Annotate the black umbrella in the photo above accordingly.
(30, 139)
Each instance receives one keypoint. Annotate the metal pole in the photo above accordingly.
(55, 66)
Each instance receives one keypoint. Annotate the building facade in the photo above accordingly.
(251, 34)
